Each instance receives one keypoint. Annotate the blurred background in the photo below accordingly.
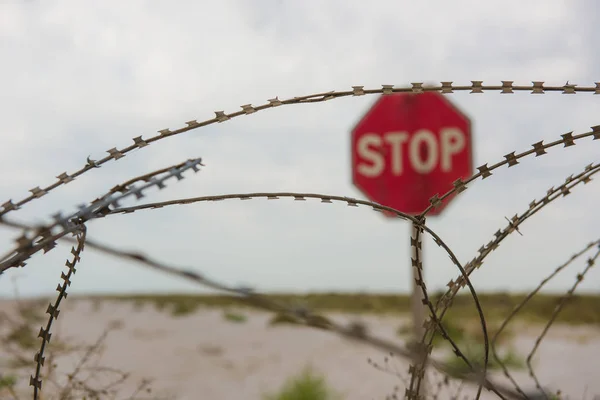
(80, 78)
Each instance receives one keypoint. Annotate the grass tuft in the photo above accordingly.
(579, 310)
(307, 385)
(182, 308)
(236, 317)
(23, 336)
(283, 319)
(7, 381)
(476, 356)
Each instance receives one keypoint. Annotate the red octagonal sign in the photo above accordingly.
(410, 147)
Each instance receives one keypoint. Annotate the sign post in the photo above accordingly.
(416, 305)
(407, 148)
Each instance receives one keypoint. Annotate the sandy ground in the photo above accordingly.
(205, 356)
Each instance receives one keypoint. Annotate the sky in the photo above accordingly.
(79, 78)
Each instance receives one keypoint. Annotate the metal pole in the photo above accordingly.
(417, 306)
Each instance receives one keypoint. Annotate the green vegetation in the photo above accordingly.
(454, 330)
(283, 319)
(7, 385)
(581, 309)
(463, 330)
(19, 338)
(305, 386)
(32, 311)
(23, 335)
(7, 382)
(468, 336)
(476, 356)
(182, 307)
(233, 316)
(316, 321)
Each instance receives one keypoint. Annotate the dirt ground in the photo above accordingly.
(204, 355)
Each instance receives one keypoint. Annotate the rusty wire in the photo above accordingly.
(551, 195)
(513, 226)
(591, 262)
(305, 316)
(477, 87)
(53, 310)
(46, 240)
(36, 238)
(522, 304)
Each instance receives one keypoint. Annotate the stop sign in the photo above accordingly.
(408, 148)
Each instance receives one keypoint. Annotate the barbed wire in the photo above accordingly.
(571, 182)
(590, 264)
(534, 207)
(44, 237)
(477, 87)
(328, 199)
(512, 159)
(522, 304)
(513, 226)
(459, 186)
(518, 219)
(47, 240)
(305, 316)
(53, 310)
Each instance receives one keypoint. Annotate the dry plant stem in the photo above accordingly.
(143, 384)
(507, 87)
(50, 371)
(590, 264)
(53, 312)
(439, 387)
(459, 390)
(387, 370)
(13, 393)
(14, 353)
(519, 306)
(77, 387)
(66, 392)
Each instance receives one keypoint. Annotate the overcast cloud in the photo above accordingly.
(79, 78)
